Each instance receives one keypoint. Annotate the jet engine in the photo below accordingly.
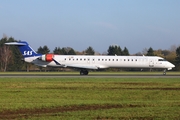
(47, 57)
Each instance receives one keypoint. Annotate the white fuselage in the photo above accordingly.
(101, 62)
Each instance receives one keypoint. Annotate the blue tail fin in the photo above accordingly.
(24, 48)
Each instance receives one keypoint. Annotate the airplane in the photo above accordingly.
(90, 62)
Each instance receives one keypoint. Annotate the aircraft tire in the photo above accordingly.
(84, 72)
(164, 72)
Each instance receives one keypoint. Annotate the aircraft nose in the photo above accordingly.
(172, 65)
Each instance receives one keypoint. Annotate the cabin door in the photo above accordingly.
(151, 63)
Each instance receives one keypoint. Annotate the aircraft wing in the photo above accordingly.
(82, 66)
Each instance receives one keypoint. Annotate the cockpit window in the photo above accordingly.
(162, 60)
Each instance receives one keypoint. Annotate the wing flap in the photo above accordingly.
(83, 66)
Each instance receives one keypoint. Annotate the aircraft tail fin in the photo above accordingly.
(24, 48)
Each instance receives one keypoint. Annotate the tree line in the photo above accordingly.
(11, 58)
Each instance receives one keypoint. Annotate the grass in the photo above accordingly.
(89, 98)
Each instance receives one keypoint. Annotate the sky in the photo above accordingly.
(135, 24)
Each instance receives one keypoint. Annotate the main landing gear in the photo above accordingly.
(164, 72)
(84, 72)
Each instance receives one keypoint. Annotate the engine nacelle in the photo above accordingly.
(47, 57)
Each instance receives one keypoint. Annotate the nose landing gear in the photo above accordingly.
(164, 72)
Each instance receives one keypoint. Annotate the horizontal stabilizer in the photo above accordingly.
(16, 43)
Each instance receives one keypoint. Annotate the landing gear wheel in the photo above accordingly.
(164, 73)
(84, 72)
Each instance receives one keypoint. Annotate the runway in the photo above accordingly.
(87, 76)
